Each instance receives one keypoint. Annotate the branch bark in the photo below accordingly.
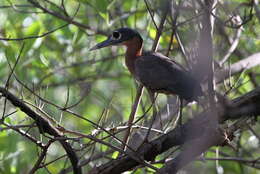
(190, 131)
(238, 67)
(242, 65)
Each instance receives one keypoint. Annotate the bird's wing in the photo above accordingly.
(160, 74)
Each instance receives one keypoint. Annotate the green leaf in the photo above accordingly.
(77, 36)
(102, 5)
(105, 16)
(33, 29)
(44, 60)
(115, 154)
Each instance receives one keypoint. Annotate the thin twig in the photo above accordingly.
(138, 96)
(151, 14)
(41, 157)
(35, 37)
(65, 18)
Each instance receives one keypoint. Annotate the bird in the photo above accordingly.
(156, 72)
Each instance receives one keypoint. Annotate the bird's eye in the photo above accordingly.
(116, 35)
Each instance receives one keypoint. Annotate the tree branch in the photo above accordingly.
(238, 67)
(191, 130)
(44, 126)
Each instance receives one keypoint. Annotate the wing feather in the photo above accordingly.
(160, 74)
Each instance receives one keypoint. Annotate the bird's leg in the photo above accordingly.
(132, 115)
(153, 100)
(180, 116)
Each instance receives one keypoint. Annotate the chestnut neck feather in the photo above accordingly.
(134, 50)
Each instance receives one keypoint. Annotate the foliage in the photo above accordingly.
(56, 73)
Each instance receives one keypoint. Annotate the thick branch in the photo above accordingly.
(238, 67)
(189, 131)
(194, 148)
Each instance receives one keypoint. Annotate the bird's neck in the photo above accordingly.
(133, 52)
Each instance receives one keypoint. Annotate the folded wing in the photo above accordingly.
(158, 73)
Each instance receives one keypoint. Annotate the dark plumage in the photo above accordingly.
(155, 71)
(158, 73)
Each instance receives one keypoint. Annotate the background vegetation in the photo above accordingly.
(62, 104)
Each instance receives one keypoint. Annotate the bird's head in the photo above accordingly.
(118, 36)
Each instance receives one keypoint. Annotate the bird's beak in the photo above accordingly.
(103, 44)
